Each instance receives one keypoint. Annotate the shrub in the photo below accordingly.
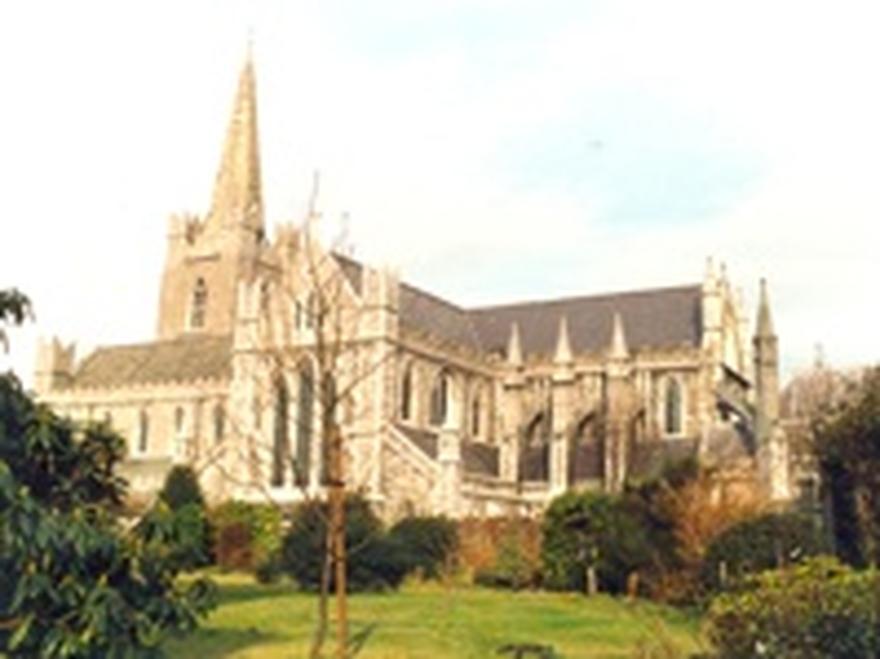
(234, 547)
(588, 529)
(819, 608)
(768, 541)
(426, 544)
(71, 582)
(263, 537)
(481, 541)
(513, 567)
(182, 495)
(181, 488)
(373, 561)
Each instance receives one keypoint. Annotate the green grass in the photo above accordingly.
(431, 621)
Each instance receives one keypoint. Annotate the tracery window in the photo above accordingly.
(672, 410)
(305, 407)
(440, 399)
(476, 410)
(406, 394)
(281, 432)
(198, 305)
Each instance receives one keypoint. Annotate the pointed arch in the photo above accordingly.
(198, 304)
(673, 407)
(476, 413)
(440, 391)
(304, 423)
(280, 432)
(406, 393)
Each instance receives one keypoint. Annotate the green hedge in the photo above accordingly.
(762, 543)
(245, 535)
(819, 608)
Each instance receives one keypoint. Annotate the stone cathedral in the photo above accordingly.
(443, 409)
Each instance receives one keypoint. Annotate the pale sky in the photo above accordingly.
(492, 150)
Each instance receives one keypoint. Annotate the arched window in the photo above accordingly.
(219, 423)
(440, 399)
(265, 297)
(280, 439)
(476, 410)
(672, 407)
(143, 432)
(178, 420)
(198, 305)
(406, 394)
(108, 419)
(305, 407)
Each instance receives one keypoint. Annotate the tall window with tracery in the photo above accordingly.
(440, 399)
(672, 415)
(406, 394)
(280, 433)
(305, 407)
(143, 432)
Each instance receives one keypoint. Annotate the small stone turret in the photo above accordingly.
(618, 406)
(55, 365)
(770, 441)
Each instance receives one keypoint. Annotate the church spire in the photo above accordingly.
(238, 198)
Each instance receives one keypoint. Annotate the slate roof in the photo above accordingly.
(657, 317)
(183, 359)
(426, 312)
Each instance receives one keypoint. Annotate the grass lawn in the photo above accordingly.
(430, 621)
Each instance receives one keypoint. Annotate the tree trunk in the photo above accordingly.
(337, 526)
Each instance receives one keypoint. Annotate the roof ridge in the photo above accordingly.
(578, 298)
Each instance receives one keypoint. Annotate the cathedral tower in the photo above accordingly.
(207, 258)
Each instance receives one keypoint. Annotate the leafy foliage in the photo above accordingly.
(374, 563)
(245, 535)
(848, 449)
(769, 541)
(182, 488)
(183, 497)
(425, 544)
(72, 583)
(514, 567)
(819, 608)
(587, 529)
(14, 308)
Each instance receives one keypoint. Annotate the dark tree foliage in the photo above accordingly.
(770, 541)
(15, 307)
(848, 451)
(587, 529)
(426, 544)
(72, 582)
(373, 562)
(182, 488)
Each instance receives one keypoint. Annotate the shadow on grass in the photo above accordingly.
(208, 643)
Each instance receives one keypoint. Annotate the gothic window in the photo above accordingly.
(198, 305)
(475, 415)
(305, 407)
(406, 394)
(440, 399)
(280, 440)
(672, 408)
(298, 313)
(143, 432)
(178, 420)
(219, 423)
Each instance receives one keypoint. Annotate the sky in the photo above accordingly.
(491, 150)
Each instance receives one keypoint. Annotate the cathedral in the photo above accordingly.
(442, 408)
